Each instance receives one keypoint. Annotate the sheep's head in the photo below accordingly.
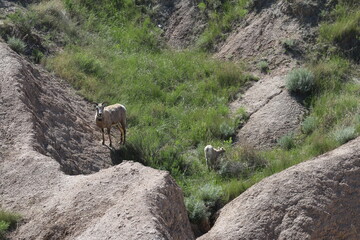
(221, 150)
(99, 111)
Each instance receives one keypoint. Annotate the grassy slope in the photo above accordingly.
(177, 101)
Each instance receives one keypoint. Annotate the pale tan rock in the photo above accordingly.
(47, 131)
(317, 199)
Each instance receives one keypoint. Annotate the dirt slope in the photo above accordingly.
(317, 199)
(280, 33)
(46, 128)
(180, 21)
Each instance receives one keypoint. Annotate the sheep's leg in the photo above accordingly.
(123, 127)
(108, 131)
(124, 130)
(103, 142)
(121, 133)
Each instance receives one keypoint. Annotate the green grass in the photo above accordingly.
(16, 44)
(300, 80)
(221, 16)
(263, 66)
(177, 101)
(343, 29)
(7, 221)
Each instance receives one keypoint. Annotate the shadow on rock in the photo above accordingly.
(125, 152)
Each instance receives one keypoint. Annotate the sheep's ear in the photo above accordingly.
(104, 104)
(95, 105)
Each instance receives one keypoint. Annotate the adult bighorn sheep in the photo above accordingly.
(211, 155)
(107, 116)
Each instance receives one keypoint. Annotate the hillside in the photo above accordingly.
(273, 82)
(58, 206)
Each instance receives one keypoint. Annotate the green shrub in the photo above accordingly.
(344, 135)
(210, 194)
(330, 75)
(197, 211)
(202, 6)
(263, 66)
(287, 141)
(300, 80)
(37, 55)
(242, 162)
(234, 188)
(289, 44)
(221, 16)
(321, 144)
(309, 125)
(16, 44)
(232, 169)
(252, 158)
(7, 221)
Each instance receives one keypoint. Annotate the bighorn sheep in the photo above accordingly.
(211, 155)
(107, 116)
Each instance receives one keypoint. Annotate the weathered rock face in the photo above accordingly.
(273, 112)
(46, 128)
(317, 199)
(181, 21)
(279, 33)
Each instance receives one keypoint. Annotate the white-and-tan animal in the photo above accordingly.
(211, 155)
(107, 116)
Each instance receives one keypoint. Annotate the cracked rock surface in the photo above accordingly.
(273, 112)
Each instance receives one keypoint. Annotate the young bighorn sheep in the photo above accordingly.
(107, 116)
(211, 155)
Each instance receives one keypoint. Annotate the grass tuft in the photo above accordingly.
(16, 44)
(7, 221)
(287, 141)
(300, 80)
(344, 135)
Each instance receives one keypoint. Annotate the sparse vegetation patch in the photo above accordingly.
(300, 80)
(7, 221)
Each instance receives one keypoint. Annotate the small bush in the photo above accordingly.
(344, 32)
(241, 117)
(344, 135)
(16, 44)
(37, 55)
(226, 130)
(309, 125)
(252, 158)
(196, 208)
(232, 168)
(7, 221)
(321, 144)
(202, 6)
(234, 188)
(242, 162)
(4, 226)
(287, 142)
(288, 44)
(331, 74)
(300, 81)
(263, 66)
(210, 194)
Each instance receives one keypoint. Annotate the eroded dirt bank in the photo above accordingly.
(317, 199)
(46, 130)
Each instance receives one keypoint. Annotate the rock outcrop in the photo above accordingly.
(278, 33)
(317, 199)
(47, 131)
